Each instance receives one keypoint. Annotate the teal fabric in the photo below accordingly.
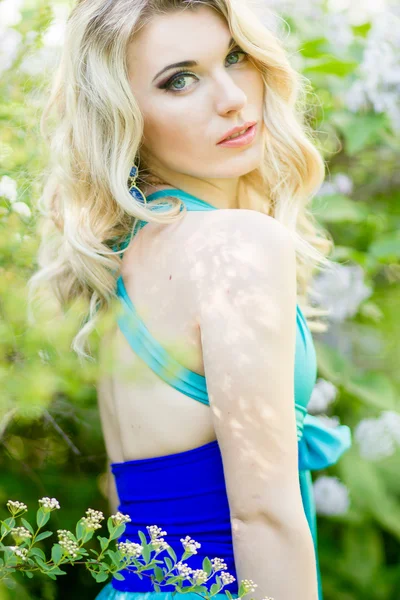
(319, 445)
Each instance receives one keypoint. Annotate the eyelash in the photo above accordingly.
(167, 85)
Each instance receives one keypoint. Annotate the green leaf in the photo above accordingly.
(114, 557)
(52, 576)
(214, 588)
(103, 542)
(28, 574)
(227, 592)
(336, 208)
(37, 552)
(143, 538)
(159, 574)
(27, 525)
(56, 553)
(119, 576)
(43, 535)
(58, 571)
(207, 566)
(79, 530)
(99, 577)
(168, 562)
(312, 48)
(7, 525)
(330, 65)
(171, 552)
(360, 130)
(386, 247)
(146, 554)
(42, 564)
(118, 531)
(374, 389)
(42, 517)
(156, 587)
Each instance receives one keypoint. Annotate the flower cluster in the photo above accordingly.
(20, 533)
(130, 548)
(227, 578)
(183, 569)
(21, 552)
(15, 506)
(155, 531)
(199, 576)
(190, 545)
(67, 543)
(218, 564)
(249, 585)
(49, 503)
(157, 542)
(120, 519)
(92, 521)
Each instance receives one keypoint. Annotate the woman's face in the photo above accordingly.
(187, 113)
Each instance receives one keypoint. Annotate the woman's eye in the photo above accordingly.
(178, 83)
(235, 52)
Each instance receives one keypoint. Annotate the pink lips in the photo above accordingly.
(241, 140)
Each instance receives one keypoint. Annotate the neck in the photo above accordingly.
(221, 193)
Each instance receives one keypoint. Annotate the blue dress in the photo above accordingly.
(184, 493)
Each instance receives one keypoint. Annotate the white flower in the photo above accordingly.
(323, 394)
(67, 543)
(119, 518)
(14, 506)
(227, 578)
(93, 518)
(340, 289)
(183, 569)
(190, 545)
(130, 548)
(218, 564)
(9, 42)
(10, 14)
(49, 503)
(344, 184)
(8, 188)
(21, 552)
(22, 209)
(331, 496)
(391, 420)
(155, 531)
(377, 438)
(21, 532)
(199, 576)
(249, 585)
(331, 422)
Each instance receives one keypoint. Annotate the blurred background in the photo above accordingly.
(50, 437)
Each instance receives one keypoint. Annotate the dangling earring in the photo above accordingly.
(134, 191)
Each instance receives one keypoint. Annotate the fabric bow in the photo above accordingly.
(321, 446)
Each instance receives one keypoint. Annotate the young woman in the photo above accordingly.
(204, 409)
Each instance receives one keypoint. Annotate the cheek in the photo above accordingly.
(171, 128)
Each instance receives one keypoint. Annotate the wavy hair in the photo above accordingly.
(94, 128)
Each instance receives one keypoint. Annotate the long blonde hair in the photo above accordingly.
(95, 140)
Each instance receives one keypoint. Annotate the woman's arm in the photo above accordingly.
(246, 297)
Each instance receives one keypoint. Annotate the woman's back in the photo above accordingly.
(256, 423)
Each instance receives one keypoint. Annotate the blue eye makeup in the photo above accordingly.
(179, 77)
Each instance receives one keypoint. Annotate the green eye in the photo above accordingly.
(237, 52)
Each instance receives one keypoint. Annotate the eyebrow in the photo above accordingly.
(187, 63)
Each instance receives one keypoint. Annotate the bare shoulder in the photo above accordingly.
(245, 289)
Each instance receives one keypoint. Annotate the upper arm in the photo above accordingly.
(246, 295)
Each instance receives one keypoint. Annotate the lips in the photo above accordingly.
(236, 129)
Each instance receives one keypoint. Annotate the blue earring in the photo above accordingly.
(134, 191)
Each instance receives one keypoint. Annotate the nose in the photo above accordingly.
(229, 96)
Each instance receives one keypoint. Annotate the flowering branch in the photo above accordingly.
(26, 557)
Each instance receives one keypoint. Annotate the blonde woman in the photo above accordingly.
(186, 116)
